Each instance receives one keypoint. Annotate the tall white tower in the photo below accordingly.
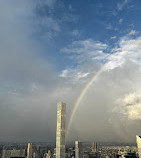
(60, 131)
(138, 140)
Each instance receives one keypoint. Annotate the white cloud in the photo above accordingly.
(129, 106)
(64, 73)
(113, 37)
(75, 76)
(132, 32)
(87, 55)
(84, 50)
(129, 49)
(88, 51)
(121, 5)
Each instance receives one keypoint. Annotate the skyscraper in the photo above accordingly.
(49, 154)
(38, 149)
(138, 140)
(94, 147)
(29, 150)
(78, 149)
(60, 131)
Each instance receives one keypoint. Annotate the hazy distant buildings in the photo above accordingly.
(13, 153)
(38, 149)
(94, 153)
(138, 140)
(78, 149)
(29, 150)
(60, 131)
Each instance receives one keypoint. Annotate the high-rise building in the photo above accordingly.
(94, 153)
(78, 149)
(60, 131)
(138, 140)
(29, 150)
(48, 154)
(94, 147)
(38, 149)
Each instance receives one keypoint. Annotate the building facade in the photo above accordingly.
(138, 140)
(94, 147)
(29, 150)
(60, 131)
(78, 149)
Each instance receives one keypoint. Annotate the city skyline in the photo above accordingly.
(84, 53)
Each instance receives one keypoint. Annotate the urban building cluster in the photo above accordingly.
(60, 150)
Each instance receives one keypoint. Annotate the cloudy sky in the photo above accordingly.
(49, 51)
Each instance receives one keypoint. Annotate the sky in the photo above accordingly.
(51, 49)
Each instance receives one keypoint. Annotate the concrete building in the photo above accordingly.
(13, 153)
(138, 140)
(29, 150)
(60, 131)
(78, 149)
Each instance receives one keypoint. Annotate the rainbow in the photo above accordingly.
(83, 92)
